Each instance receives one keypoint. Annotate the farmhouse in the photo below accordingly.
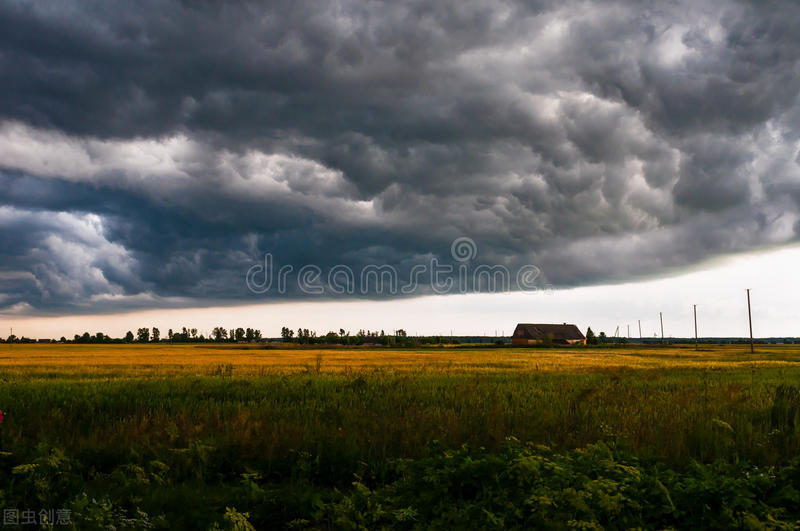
(532, 334)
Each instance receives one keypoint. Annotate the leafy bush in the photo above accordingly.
(526, 486)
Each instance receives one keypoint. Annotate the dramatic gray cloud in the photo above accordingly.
(151, 156)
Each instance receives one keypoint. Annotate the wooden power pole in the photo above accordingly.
(661, 318)
(750, 319)
(695, 326)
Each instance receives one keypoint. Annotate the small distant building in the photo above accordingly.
(44, 341)
(535, 334)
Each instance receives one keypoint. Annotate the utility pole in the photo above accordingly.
(695, 326)
(750, 318)
(640, 329)
(629, 331)
(661, 318)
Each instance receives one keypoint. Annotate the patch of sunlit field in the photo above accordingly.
(139, 361)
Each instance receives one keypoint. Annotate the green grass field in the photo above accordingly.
(194, 437)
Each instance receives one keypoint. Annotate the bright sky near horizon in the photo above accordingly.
(717, 288)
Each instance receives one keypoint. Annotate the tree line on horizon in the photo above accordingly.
(153, 335)
(304, 336)
(220, 334)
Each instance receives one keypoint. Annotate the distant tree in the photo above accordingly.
(193, 332)
(232, 335)
(306, 336)
(13, 338)
(257, 335)
(156, 334)
(401, 333)
(287, 334)
(248, 334)
(602, 337)
(219, 333)
(591, 339)
(85, 338)
(129, 337)
(143, 335)
(62, 340)
(169, 334)
(240, 334)
(99, 337)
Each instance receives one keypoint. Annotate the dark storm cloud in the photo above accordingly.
(150, 156)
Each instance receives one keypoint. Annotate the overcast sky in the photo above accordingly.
(151, 156)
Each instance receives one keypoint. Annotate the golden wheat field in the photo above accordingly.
(135, 360)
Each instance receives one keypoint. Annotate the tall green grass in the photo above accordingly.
(185, 448)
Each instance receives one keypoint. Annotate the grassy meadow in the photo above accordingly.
(239, 437)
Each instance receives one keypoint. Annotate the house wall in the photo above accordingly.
(521, 341)
(524, 341)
